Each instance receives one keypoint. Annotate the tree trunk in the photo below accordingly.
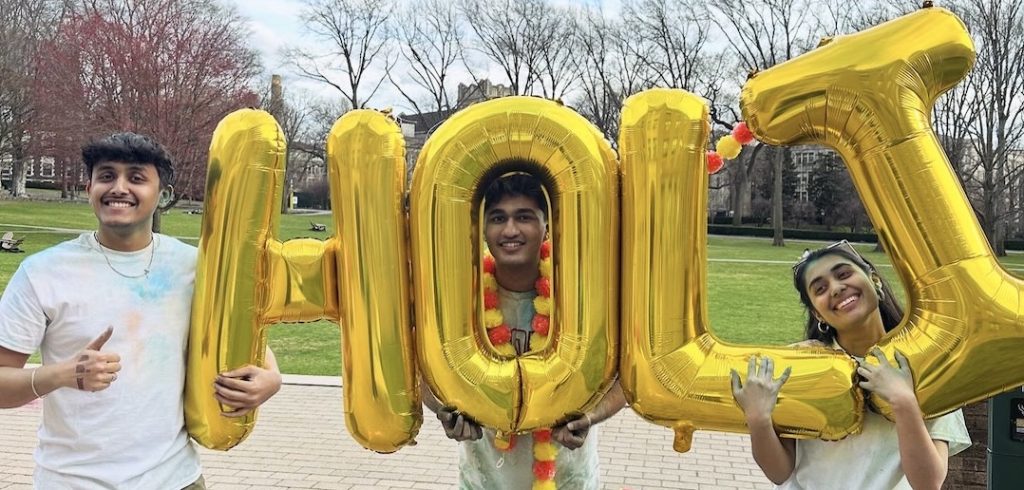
(777, 164)
(19, 169)
(740, 197)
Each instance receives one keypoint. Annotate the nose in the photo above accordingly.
(120, 186)
(510, 229)
(837, 288)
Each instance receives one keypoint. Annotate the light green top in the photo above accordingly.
(482, 466)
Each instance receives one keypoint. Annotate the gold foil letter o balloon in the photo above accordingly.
(540, 388)
(247, 280)
(870, 96)
(673, 370)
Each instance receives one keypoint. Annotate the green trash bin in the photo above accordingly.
(1006, 441)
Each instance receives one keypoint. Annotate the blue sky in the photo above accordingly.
(275, 24)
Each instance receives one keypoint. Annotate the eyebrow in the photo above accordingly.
(131, 166)
(832, 270)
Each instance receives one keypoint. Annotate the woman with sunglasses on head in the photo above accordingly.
(850, 308)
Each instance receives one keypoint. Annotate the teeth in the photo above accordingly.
(845, 302)
(119, 204)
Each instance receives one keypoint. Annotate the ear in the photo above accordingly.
(877, 279)
(166, 195)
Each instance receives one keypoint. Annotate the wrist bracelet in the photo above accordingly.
(32, 382)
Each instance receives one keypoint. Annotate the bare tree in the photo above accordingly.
(499, 33)
(526, 39)
(763, 33)
(998, 30)
(612, 66)
(171, 69)
(551, 36)
(678, 33)
(355, 34)
(430, 41)
(601, 94)
(24, 25)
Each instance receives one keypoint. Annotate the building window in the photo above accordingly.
(46, 167)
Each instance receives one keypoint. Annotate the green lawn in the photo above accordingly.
(750, 292)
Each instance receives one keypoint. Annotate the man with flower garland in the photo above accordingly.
(515, 228)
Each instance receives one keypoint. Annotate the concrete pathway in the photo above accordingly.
(300, 442)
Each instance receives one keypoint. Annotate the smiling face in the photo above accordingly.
(124, 196)
(843, 295)
(514, 228)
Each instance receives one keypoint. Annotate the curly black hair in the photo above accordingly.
(129, 148)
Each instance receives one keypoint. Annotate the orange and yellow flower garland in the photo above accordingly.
(500, 335)
(729, 146)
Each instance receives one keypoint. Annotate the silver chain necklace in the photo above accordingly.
(145, 273)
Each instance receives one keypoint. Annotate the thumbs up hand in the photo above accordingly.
(92, 370)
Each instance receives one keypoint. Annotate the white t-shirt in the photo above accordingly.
(869, 460)
(482, 466)
(132, 434)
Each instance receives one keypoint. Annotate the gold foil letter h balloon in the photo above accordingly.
(246, 279)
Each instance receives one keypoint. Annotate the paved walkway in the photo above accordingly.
(300, 441)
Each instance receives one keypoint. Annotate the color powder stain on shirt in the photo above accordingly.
(154, 287)
(133, 338)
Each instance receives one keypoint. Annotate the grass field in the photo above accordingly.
(750, 293)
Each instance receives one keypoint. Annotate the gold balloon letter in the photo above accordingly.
(870, 97)
(247, 280)
(673, 370)
(563, 149)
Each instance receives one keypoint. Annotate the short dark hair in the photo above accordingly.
(129, 148)
(517, 184)
(889, 307)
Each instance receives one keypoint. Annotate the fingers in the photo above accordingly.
(465, 429)
(233, 383)
(784, 377)
(882, 360)
(751, 367)
(235, 398)
(570, 440)
(98, 342)
(458, 426)
(247, 371)
(581, 423)
(737, 386)
(902, 361)
(768, 372)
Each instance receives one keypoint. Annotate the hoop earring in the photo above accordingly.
(823, 327)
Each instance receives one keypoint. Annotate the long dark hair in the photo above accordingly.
(892, 312)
